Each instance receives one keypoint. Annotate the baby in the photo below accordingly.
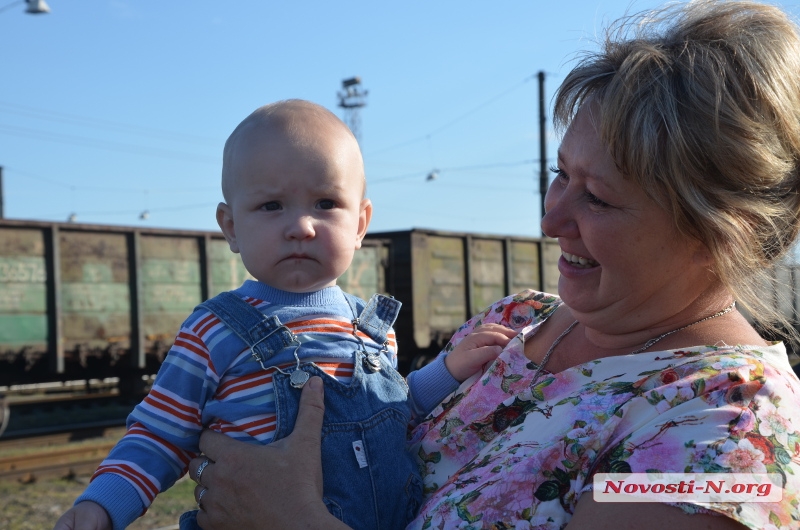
(295, 209)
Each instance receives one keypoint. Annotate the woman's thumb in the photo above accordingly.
(308, 427)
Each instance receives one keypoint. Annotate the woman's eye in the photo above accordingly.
(559, 173)
(271, 206)
(326, 204)
(595, 201)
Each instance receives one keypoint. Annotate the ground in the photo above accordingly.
(37, 506)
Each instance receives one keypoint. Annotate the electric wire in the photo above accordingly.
(455, 120)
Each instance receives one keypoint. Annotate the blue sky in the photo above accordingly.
(109, 108)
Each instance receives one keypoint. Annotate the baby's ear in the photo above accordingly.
(364, 217)
(225, 222)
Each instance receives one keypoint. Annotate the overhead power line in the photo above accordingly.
(62, 117)
(457, 119)
(104, 145)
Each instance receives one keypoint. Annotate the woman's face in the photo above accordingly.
(624, 266)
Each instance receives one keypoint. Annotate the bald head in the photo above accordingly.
(308, 128)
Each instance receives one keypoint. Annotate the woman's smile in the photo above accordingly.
(578, 261)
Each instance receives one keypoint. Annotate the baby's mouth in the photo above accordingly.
(578, 261)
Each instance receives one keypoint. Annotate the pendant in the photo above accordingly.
(298, 378)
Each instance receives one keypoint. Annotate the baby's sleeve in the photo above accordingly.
(163, 433)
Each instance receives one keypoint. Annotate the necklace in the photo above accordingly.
(638, 350)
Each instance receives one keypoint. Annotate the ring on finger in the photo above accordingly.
(200, 497)
(200, 470)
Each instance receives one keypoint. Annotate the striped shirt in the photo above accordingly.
(210, 379)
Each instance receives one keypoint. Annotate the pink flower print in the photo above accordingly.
(564, 382)
(669, 376)
(742, 394)
(659, 453)
(741, 457)
(520, 314)
(764, 445)
(745, 423)
(774, 424)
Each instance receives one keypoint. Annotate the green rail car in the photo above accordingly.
(84, 301)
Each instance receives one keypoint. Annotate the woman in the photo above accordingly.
(675, 191)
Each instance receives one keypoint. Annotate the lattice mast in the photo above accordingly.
(352, 98)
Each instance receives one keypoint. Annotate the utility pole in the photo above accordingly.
(543, 171)
(2, 213)
(351, 99)
(543, 176)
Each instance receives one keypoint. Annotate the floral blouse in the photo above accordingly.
(498, 454)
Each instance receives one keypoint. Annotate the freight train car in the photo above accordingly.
(81, 302)
(89, 301)
(443, 278)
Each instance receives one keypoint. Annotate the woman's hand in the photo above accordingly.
(272, 486)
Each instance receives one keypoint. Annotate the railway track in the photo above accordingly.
(54, 463)
(39, 410)
(62, 455)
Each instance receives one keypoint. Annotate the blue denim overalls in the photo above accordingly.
(370, 480)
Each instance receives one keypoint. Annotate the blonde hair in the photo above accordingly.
(700, 104)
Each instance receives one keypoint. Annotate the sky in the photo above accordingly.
(116, 112)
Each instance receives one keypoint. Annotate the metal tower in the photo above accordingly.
(351, 99)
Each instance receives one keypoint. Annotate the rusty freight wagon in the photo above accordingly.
(443, 278)
(91, 301)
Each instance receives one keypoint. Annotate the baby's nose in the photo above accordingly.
(301, 228)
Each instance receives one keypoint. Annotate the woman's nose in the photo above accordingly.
(558, 219)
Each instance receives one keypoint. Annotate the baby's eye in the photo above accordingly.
(326, 204)
(271, 206)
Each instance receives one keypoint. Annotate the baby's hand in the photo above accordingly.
(85, 515)
(484, 344)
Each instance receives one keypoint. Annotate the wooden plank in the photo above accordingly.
(363, 276)
(21, 298)
(524, 266)
(21, 242)
(447, 284)
(87, 257)
(227, 270)
(96, 329)
(169, 248)
(22, 269)
(420, 279)
(93, 297)
(163, 271)
(163, 326)
(158, 298)
(551, 253)
(488, 273)
(17, 331)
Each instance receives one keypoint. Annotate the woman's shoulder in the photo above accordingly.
(522, 309)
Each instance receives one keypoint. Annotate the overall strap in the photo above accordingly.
(251, 325)
(377, 316)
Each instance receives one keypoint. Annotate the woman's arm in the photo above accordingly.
(271, 486)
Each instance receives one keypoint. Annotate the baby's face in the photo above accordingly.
(296, 211)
